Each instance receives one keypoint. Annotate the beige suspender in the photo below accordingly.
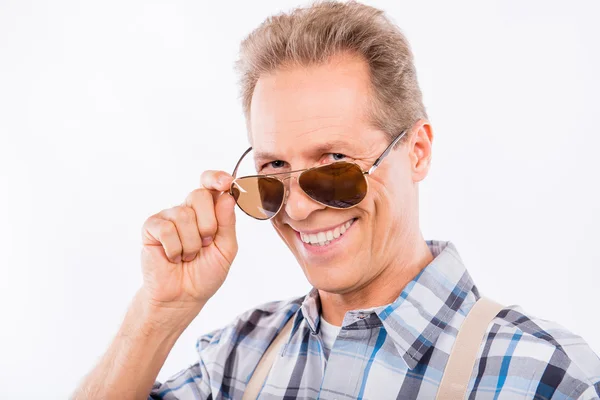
(456, 374)
(264, 365)
(464, 351)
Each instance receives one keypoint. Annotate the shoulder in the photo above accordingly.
(546, 338)
(554, 360)
(228, 356)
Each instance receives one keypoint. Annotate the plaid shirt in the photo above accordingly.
(396, 351)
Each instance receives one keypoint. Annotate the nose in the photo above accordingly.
(298, 206)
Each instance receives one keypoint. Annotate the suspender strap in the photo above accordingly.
(464, 351)
(264, 365)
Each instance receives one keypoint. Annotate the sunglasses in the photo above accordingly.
(340, 185)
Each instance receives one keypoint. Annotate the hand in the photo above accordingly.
(188, 249)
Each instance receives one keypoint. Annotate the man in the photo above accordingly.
(326, 91)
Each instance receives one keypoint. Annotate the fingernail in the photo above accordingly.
(206, 241)
(177, 260)
(189, 258)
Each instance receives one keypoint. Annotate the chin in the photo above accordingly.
(331, 278)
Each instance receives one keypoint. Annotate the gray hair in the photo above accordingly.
(311, 35)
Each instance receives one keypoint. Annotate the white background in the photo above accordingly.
(109, 112)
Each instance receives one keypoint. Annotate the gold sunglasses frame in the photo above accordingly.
(289, 173)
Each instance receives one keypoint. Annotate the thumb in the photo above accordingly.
(225, 238)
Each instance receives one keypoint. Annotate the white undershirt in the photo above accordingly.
(328, 333)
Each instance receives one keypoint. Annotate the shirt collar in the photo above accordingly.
(424, 308)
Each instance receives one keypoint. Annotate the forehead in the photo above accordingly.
(300, 108)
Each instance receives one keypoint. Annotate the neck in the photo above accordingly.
(383, 289)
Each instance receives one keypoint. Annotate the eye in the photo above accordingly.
(337, 156)
(275, 164)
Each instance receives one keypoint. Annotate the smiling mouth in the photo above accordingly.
(325, 237)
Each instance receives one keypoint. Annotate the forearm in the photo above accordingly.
(129, 367)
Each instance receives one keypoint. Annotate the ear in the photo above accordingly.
(420, 150)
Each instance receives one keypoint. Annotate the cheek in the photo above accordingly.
(389, 203)
(285, 233)
(279, 228)
(395, 184)
(383, 195)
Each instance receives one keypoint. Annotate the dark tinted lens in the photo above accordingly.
(339, 185)
(259, 197)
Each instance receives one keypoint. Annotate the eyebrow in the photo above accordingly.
(337, 145)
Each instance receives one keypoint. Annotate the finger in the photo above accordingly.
(184, 219)
(201, 201)
(161, 232)
(219, 181)
(225, 238)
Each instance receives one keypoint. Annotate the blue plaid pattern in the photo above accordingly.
(396, 351)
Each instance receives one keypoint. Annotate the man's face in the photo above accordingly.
(308, 116)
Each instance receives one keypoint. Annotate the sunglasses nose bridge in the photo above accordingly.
(287, 181)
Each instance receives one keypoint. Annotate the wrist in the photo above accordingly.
(166, 319)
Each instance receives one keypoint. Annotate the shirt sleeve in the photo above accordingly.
(192, 382)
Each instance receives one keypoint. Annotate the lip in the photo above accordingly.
(332, 246)
(322, 229)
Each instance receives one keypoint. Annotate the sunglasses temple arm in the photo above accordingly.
(385, 153)
(239, 161)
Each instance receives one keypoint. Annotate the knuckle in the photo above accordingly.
(172, 254)
(207, 227)
(166, 229)
(184, 214)
(152, 219)
(200, 195)
(207, 174)
(208, 177)
(152, 226)
(148, 223)
(191, 240)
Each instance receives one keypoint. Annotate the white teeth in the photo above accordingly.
(322, 237)
(325, 237)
